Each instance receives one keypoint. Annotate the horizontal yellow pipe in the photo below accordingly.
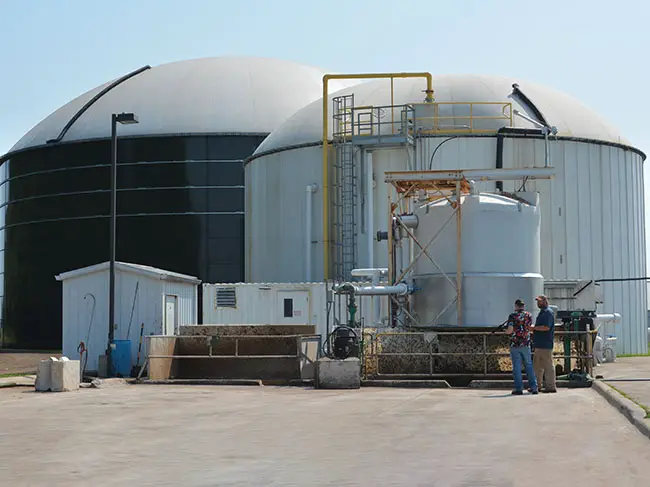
(326, 78)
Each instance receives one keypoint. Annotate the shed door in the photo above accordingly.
(293, 307)
(171, 316)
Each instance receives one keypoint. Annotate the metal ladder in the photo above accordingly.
(344, 185)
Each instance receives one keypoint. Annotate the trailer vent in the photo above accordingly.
(226, 297)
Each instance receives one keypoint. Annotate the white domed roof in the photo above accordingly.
(571, 117)
(207, 95)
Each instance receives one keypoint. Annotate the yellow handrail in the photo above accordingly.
(326, 78)
(364, 123)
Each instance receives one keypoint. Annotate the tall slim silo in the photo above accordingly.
(592, 212)
(180, 179)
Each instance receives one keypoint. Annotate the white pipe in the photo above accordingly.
(310, 190)
(370, 215)
(607, 318)
(369, 272)
(409, 221)
(526, 117)
(375, 275)
(376, 314)
(396, 290)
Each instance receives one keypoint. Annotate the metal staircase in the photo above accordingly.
(344, 185)
(355, 129)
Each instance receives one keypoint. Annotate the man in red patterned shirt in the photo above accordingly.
(519, 329)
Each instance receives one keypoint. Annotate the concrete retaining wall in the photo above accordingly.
(272, 357)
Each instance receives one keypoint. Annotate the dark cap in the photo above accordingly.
(520, 302)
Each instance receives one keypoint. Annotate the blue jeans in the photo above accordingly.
(519, 355)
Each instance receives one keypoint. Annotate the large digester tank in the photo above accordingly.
(499, 255)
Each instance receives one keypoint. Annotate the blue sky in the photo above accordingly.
(597, 51)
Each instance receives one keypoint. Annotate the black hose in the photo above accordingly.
(436, 149)
(93, 100)
(624, 279)
(499, 158)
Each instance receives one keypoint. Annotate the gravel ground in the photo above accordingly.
(21, 362)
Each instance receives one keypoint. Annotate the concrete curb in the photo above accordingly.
(17, 381)
(509, 384)
(429, 384)
(202, 382)
(627, 408)
(227, 382)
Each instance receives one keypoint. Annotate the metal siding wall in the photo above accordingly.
(248, 224)
(456, 153)
(638, 222)
(277, 216)
(594, 205)
(259, 306)
(147, 310)
(187, 302)
(595, 183)
(77, 314)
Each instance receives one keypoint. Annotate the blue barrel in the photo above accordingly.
(121, 358)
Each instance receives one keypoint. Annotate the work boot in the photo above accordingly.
(517, 393)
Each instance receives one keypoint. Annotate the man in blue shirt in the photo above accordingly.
(543, 341)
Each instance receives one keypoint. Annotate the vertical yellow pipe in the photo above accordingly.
(326, 233)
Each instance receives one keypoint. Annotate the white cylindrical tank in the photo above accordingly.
(499, 259)
(592, 212)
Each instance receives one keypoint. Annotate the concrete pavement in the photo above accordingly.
(621, 374)
(204, 436)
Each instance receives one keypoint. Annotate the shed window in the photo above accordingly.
(226, 297)
(288, 307)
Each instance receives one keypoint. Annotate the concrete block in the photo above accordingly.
(102, 366)
(44, 375)
(338, 374)
(65, 375)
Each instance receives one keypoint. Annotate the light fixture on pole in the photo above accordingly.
(124, 119)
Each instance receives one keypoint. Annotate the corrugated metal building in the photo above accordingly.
(159, 299)
(592, 211)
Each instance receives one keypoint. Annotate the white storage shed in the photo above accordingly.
(159, 299)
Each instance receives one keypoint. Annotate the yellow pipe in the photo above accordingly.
(326, 78)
